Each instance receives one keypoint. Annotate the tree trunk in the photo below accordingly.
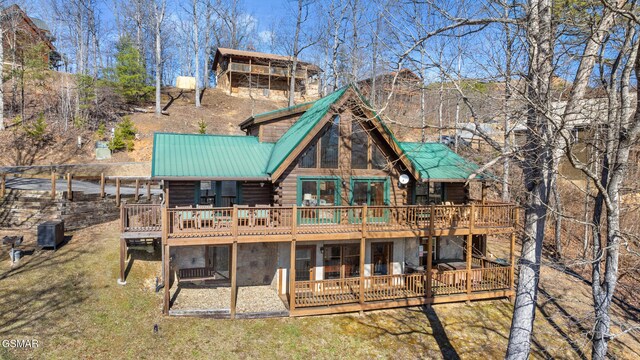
(196, 48)
(159, 18)
(294, 65)
(1, 77)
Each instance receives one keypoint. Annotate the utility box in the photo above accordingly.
(186, 82)
(102, 150)
(51, 234)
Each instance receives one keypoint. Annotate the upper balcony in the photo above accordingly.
(265, 70)
(210, 225)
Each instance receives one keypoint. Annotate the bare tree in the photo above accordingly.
(159, 7)
(196, 49)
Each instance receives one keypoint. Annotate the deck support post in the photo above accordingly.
(292, 277)
(234, 278)
(148, 190)
(102, 185)
(429, 284)
(469, 256)
(363, 251)
(166, 277)
(123, 258)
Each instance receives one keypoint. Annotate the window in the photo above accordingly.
(381, 254)
(429, 193)
(305, 262)
(309, 158)
(329, 144)
(314, 192)
(359, 146)
(341, 261)
(369, 192)
(378, 160)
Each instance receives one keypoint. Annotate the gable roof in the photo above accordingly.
(300, 129)
(435, 161)
(183, 156)
(276, 114)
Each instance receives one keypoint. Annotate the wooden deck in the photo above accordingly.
(198, 226)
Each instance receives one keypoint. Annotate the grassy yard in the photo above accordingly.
(69, 301)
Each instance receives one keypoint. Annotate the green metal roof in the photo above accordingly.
(292, 138)
(436, 161)
(244, 157)
(209, 156)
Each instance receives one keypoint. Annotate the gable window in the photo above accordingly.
(359, 146)
(309, 158)
(378, 160)
(329, 144)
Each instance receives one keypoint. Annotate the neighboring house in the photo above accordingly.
(401, 88)
(255, 74)
(22, 32)
(324, 208)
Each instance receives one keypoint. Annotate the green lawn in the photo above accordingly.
(69, 301)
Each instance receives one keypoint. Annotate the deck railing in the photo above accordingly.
(279, 220)
(276, 220)
(141, 218)
(400, 286)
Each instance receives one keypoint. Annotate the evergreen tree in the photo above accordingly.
(130, 73)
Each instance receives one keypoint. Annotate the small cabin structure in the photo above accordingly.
(256, 74)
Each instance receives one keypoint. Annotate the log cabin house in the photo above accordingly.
(321, 204)
(256, 74)
(23, 33)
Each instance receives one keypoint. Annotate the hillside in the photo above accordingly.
(220, 112)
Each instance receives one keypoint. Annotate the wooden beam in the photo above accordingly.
(429, 266)
(53, 185)
(234, 278)
(166, 303)
(469, 256)
(3, 185)
(362, 253)
(117, 191)
(292, 277)
(102, 185)
(123, 256)
(69, 187)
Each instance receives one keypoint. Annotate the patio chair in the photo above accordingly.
(186, 217)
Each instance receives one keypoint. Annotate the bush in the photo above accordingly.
(202, 127)
(123, 136)
(37, 130)
(102, 130)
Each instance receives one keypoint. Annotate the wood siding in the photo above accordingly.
(254, 194)
(285, 190)
(272, 130)
(181, 193)
(456, 193)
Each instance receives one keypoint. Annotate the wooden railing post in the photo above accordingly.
(3, 180)
(362, 253)
(234, 223)
(122, 219)
(69, 189)
(102, 185)
(137, 196)
(53, 185)
(117, 191)
(472, 217)
(166, 277)
(294, 222)
(148, 190)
